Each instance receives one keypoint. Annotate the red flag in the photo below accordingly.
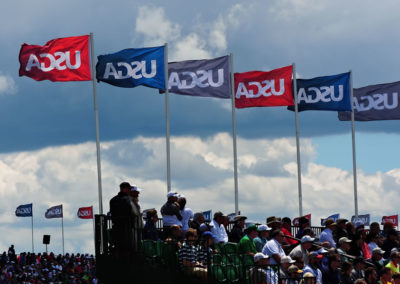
(296, 220)
(392, 219)
(85, 212)
(61, 59)
(257, 89)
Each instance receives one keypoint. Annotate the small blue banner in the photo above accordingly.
(324, 93)
(54, 212)
(361, 220)
(334, 217)
(207, 216)
(24, 210)
(133, 67)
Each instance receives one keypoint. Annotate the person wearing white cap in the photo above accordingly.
(286, 261)
(302, 249)
(170, 211)
(258, 273)
(261, 240)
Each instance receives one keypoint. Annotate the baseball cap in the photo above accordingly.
(344, 240)
(263, 228)
(218, 214)
(208, 234)
(258, 256)
(315, 254)
(294, 268)
(378, 251)
(135, 188)
(287, 259)
(306, 239)
(172, 194)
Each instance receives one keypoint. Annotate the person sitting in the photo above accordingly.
(358, 270)
(377, 259)
(345, 274)
(371, 277)
(150, 231)
(386, 276)
(263, 235)
(218, 229)
(198, 219)
(206, 249)
(331, 274)
(327, 234)
(340, 231)
(286, 261)
(175, 235)
(396, 278)
(303, 223)
(258, 273)
(287, 231)
(390, 242)
(312, 267)
(273, 248)
(246, 244)
(303, 248)
(188, 257)
(237, 233)
(343, 249)
(394, 262)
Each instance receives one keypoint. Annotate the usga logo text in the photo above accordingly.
(84, 213)
(324, 94)
(376, 101)
(48, 62)
(135, 70)
(257, 89)
(189, 80)
(24, 211)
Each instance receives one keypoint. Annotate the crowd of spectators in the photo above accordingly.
(46, 268)
(342, 253)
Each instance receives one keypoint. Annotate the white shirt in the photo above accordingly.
(273, 247)
(219, 232)
(187, 214)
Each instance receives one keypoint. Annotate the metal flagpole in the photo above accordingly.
(62, 229)
(235, 174)
(33, 248)
(96, 117)
(296, 111)
(353, 139)
(167, 117)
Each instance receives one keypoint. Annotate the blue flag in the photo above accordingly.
(207, 216)
(324, 93)
(361, 220)
(334, 217)
(133, 67)
(54, 212)
(24, 210)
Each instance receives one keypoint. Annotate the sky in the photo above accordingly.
(48, 152)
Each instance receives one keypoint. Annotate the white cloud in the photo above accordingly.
(7, 85)
(201, 169)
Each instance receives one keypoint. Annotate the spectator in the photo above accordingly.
(340, 231)
(312, 267)
(294, 274)
(377, 258)
(396, 278)
(218, 229)
(394, 262)
(371, 277)
(308, 278)
(344, 247)
(303, 248)
(186, 213)
(150, 231)
(331, 274)
(387, 227)
(175, 235)
(303, 223)
(206, 249)
(273, 248)
(386, 276)
(246, 244)
(258, 273)
(237, 233)
(299, 262)
(345, 274)
(286, 261)
(263, 235)
(287, 231)
(274, 222)
(198, 219)
(351, 231)
(390, 242)
(372, 241)
(358, 269)
(187, 255)
(170, 211)
(327, 234)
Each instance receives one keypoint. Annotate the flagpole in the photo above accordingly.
(296, 111)
(96, 117)
(167, 118)
(62, 230)
(353, 140)
(33, 248)
(235, 173)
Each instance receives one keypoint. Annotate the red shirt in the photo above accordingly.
(287, 240)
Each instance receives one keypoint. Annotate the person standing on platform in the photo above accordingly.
(171, 212)
(186, 213)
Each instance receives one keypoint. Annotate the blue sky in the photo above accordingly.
(47, 152)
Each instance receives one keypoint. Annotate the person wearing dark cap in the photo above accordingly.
(312, 267)
(377, 258)
(340, 231)
(390, 242)
(237, 233)
(274, 222)
(303, 223)
(327, 234)
(246, 244)
(218, 229)
(358, 269)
